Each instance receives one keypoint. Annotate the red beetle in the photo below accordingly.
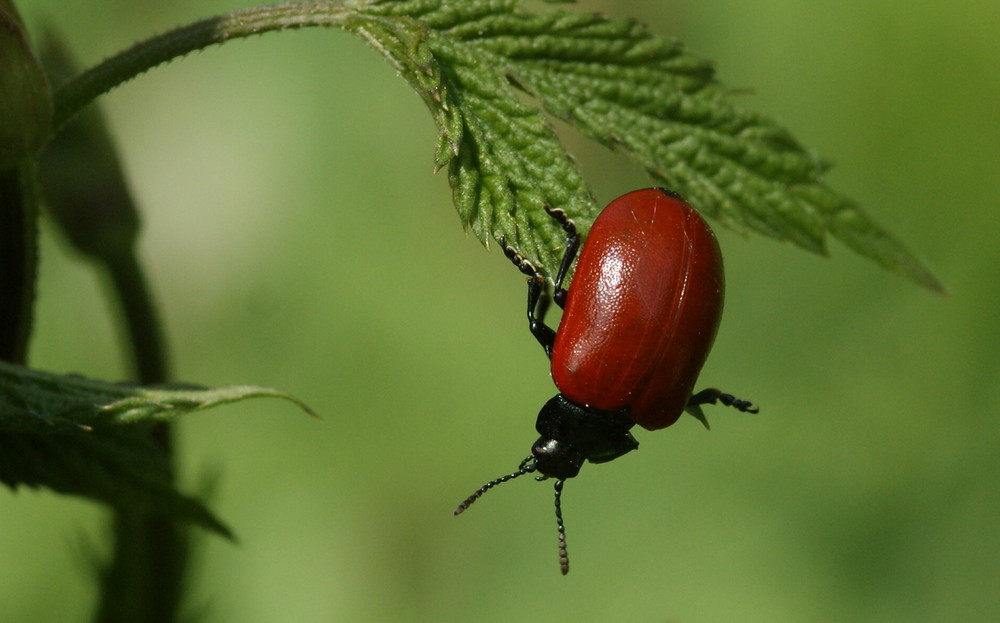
(638, 322)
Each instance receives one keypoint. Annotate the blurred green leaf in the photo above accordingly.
(91, 438)
(121, 468)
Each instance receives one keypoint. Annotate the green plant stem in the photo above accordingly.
(143, 56)
(18, 259)
(144, 581)
(145, 336)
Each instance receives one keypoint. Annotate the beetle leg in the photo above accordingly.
(572, 245)
(538, 298)
(711, 395)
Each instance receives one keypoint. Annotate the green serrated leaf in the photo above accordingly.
(404, 44)
(507, 163)
(858, 231)
(162, 404)
(615, 81)
(636, 93)
(91, 438)
(644, 95)
(33, 401)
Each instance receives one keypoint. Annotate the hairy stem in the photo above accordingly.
(18, 259)
(143, 56)
(145, 337)
(145, 578)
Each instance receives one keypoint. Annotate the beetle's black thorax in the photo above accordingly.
(572, 433)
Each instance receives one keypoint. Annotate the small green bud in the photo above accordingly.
(25, 97)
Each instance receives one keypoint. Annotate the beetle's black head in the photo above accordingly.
(556, 459)
(572, 433)
(528, 466)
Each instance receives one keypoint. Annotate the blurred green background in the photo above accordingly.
(297, 238)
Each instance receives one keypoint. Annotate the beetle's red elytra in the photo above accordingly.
(643, 310)
(639, 320)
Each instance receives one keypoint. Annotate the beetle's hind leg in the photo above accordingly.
(572, 246)
(713, 396)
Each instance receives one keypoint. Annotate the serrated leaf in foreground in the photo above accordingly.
(90, 438)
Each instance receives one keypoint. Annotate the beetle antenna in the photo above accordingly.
(563, 555)
(527, 466)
